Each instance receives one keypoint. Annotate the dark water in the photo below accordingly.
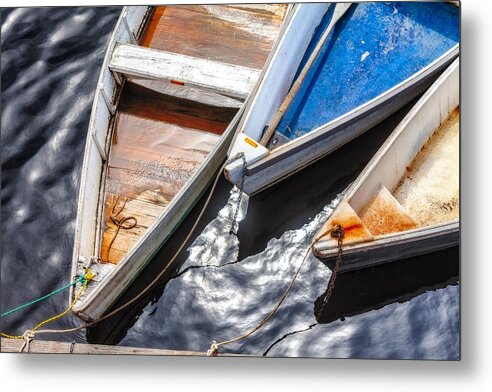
(222, 285)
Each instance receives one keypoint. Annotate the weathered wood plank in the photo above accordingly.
(49, 347)
(216, 32)
(140, 212)
(158, 143)
(146, 63)
(143, 101)
(188, 93)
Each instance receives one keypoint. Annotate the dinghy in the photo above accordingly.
(174, 82)
(406, 201)
(339, 70)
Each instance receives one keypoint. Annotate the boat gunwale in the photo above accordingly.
(422, 232)
(83, 306)
(89, 142)
(392, 239)
(353, 116)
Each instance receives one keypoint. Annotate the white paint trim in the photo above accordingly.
(111, 107)
(283, 67)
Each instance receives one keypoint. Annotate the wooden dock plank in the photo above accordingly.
(50, 347)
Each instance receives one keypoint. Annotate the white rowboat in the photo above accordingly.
(174, 82)
(406, 201)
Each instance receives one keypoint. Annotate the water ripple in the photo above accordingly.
(225, 284)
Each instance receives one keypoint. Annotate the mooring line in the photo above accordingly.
(27, 304)
(28, 335)
(335, 232)
(149, 286)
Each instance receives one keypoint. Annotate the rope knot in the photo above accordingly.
(214, 350)
(337, 232)
(28, 337)
(88, 276)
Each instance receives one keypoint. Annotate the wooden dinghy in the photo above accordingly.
(378, 57)
(406, 201)
(172, 87)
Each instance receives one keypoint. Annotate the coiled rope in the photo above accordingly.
(29, 335)
(125, 223)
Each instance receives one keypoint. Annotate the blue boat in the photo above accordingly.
(376, 58)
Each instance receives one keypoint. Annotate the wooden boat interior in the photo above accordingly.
(384, 43)
(163, 130)
(413, 180)
(173, 82)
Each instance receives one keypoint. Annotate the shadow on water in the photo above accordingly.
(284, 207)
(113, 330)
(372, 288)
(296, 200)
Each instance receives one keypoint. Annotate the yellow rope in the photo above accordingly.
(6, 335)
(160, 274)
(155, 280)
(87, 277)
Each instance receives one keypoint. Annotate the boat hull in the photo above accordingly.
(293, 157)
(148, 171)
(388, 250)
(346, 91)
(377, 227)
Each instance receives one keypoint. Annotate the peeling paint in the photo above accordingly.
(364, 55)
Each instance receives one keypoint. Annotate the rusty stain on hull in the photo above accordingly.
(384, 215)
(354, 229)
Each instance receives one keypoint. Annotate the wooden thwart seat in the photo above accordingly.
(232, 80)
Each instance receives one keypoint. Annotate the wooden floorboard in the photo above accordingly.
(239, 36)
(158, 144)
(148, 104)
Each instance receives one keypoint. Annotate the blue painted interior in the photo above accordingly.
(373, 47)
